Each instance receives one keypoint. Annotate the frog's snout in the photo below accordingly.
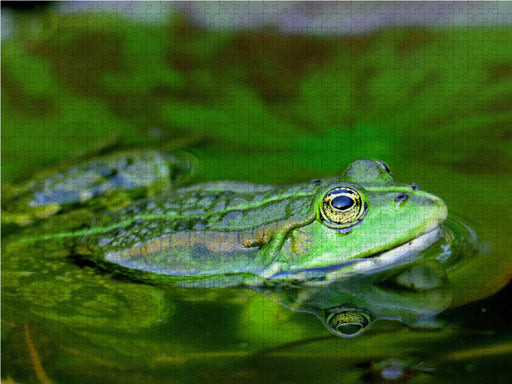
(440, 209)
(432, 210)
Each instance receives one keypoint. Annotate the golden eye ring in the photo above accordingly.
(342, 207)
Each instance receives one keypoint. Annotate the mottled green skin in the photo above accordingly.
(139, 172)
(227, 233)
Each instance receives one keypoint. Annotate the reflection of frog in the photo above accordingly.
(348, 307)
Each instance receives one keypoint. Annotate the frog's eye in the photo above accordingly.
(342, 207)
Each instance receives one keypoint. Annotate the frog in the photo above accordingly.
(138, 172)
(230, 233)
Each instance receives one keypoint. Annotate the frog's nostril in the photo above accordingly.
(402, 196)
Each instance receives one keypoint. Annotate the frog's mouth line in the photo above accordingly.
(398, 255)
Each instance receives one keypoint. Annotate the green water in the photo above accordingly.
(267, 108)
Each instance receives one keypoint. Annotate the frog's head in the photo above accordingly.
(364, 222)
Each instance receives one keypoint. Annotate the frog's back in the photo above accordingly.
(222, 225)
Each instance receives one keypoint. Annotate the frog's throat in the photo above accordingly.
(401, 254)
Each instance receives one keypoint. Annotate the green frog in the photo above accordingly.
(225, 233)
(135, 172)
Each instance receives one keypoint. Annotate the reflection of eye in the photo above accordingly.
(342, 207)
(348, 323)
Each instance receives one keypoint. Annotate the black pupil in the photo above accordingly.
(342, 202)
(349, 329)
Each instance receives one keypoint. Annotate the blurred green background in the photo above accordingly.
(269, 106)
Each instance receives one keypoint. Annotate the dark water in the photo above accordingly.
(268, 108)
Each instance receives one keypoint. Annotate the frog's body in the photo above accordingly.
(143, 172)
(308, 236)
(230, 233)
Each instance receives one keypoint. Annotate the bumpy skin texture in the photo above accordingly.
(228, 233)
(142, 172)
